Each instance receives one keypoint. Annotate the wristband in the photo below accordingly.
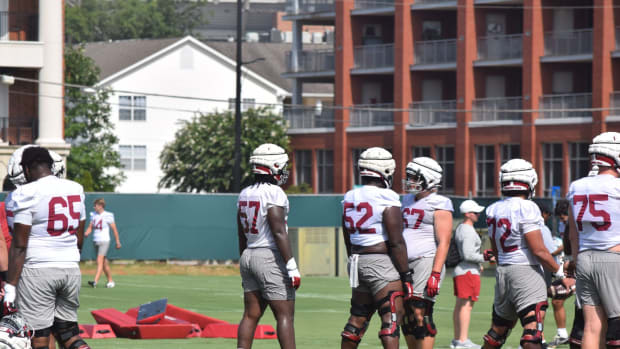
(291, 265)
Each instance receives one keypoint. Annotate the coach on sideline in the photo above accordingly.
(467, 273)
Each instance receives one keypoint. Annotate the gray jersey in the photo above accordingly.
(468, 242)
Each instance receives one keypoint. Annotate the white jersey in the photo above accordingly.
(419, 223)
(54, 208)
(596, 210)
(509, 220)
(9, 214)
(101, 225)
(363, 213)
(254, 202)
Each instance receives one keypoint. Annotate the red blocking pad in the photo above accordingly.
(230, 331)
(96, 331)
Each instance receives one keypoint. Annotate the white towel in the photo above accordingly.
(353, 278)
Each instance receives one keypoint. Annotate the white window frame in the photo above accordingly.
(549, 160)
(303, 162)
(325, 170)
(509, 152)
(448, 168)
(579, 163)
(482, 170)
(131, 162)
(133, 107)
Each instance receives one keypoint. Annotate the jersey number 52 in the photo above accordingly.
(59, 203)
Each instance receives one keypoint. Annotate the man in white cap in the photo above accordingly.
(467, 273)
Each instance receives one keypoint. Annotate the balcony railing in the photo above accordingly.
(374, 56)
(497, 109)
(567, 43)
(432, 113)
(17, 26)
(560, 105)
(369, 115)
(311, 61)
(435, 51)
(368, 4)
(500, 47)
(311, 6)
(430, 1)
(309, 118)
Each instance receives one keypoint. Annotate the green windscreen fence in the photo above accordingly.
(203, 227)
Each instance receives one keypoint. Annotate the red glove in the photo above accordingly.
(488, 254)
(432, 285)
(407, 279)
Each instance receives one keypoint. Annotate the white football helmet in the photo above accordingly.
(423, 173)
(378, 163)
(605, 150)
(270, 159)
(16, 171)
(518, 175)
(15, 333)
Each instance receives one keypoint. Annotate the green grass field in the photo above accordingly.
(321, 310)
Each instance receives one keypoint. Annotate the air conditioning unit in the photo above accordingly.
(252, 37)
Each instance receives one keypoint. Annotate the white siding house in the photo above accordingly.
(142, 73)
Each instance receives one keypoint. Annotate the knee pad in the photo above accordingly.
(495, 339)
(533, 335)
(43, 332)
(65, 330)
(428, 328)
(353, 333)
(612, 338)
(390, 328)
(576, 334)
(361, 310)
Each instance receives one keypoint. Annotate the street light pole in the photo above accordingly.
(236, 186)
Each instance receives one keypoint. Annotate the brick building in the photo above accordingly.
(31, 46)
(455, 76)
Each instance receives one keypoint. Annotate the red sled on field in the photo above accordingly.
(158, 320)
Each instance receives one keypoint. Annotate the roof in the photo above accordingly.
(115, 56)
(274, 64)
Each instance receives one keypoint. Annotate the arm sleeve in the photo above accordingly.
(441, 203)
(276, 198)
(470, 251)
(22, 201)
(530, 219)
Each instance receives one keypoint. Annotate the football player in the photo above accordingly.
(515, 231)
(378, 270)
(595, 241)
(101, 221)
(49, 218)
(427, 218)
(268, 270)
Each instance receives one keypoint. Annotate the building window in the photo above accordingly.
(552, 162)
(325, 164)
(246, 104)
(510, 151)
(485, 170)
(421, 151)
(445, 158)
(132, 108)
(579, 160)
(133, 157)
(303, 167)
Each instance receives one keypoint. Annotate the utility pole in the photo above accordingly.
(236, 187)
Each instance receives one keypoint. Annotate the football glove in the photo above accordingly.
(293, 273)
(488, 254)
(8, 301)
(432, 285)
(407, 280)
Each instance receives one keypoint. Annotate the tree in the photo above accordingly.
(96, 20)
(93, 162)
(201, 157)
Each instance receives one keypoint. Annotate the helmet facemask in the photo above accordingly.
(415, 182)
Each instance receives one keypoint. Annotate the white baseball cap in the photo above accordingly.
(470, 206)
